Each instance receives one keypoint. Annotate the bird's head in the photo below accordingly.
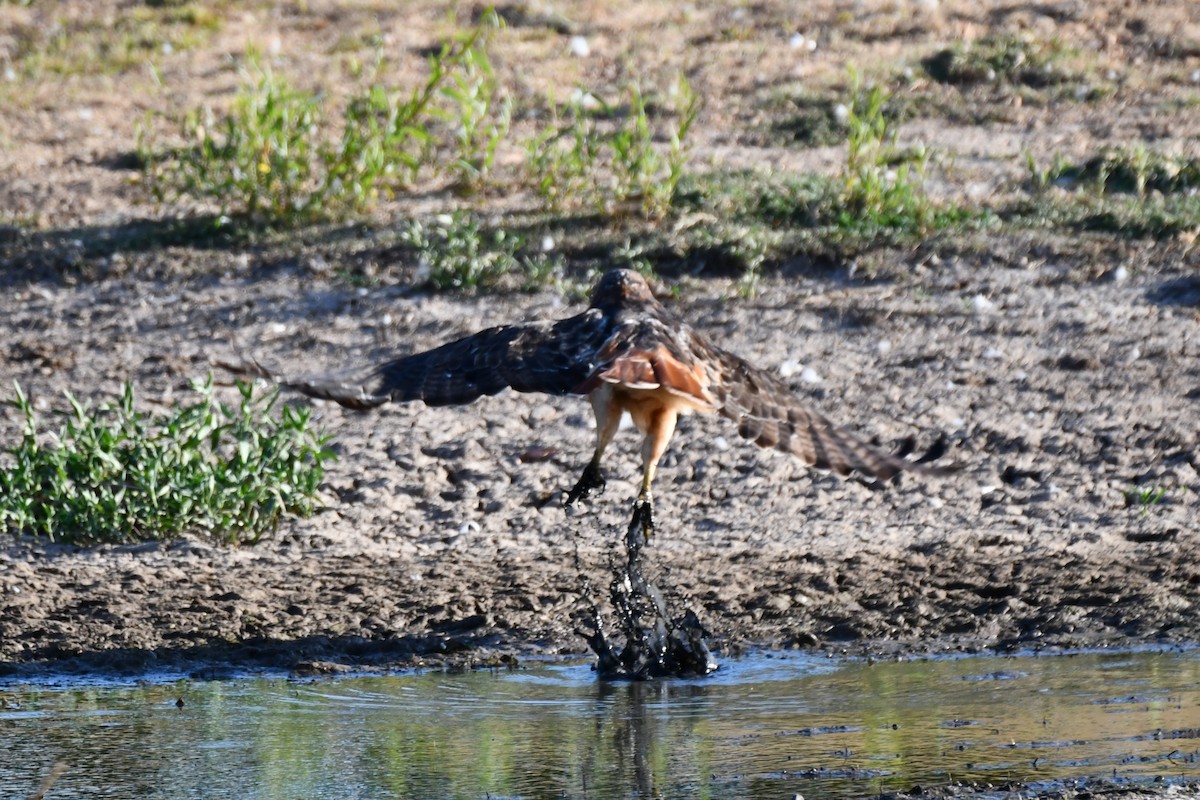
(619, 287)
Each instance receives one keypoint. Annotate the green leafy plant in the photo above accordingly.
(479, 117)
(116, 474)
(263, 158)
(616, 166)
(282, 154)
(999, 59)
(881, 185)
(1144, 497)
(560, 158)
(1127, 170)
(456, 252)
(1133, 191)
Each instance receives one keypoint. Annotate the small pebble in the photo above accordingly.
(789, 368)
(1120, 274)
(809, 375)
(799, 41)
(578, 46)
(585, 100)
(883, 346)
(981, 305)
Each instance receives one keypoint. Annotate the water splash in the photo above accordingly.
(658, 644)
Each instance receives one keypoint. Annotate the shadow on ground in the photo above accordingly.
(309, 655)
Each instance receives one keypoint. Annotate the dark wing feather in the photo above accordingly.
(769, 414)
(555, 358)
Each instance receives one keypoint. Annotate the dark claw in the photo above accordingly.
(590, 481)
(643, 516)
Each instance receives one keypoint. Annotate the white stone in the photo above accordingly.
(585, 100)
(982, 305)
(578, 46)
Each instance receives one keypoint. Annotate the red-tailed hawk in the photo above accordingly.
(628, 354)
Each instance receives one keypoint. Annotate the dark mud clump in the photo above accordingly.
(657, 644)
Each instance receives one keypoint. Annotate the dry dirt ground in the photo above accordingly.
(1063, 366)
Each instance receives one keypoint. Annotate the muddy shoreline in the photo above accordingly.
(442, 538)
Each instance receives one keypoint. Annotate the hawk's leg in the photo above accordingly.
(608, 419)
(590, 481)
(661, 424)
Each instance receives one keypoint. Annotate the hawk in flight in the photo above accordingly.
(628, 354)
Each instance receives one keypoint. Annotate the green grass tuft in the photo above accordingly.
(608, 157)
(1133, 192)
(115, 474)
(456, 252)
(1129, 170)
(1008, 60)
(285, 155)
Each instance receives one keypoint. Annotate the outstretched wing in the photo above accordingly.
(769, 414)
(555, 358)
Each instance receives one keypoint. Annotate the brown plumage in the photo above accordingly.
(627, 353)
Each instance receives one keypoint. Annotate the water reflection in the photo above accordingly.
(764, 727)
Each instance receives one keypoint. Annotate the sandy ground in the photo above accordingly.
(1063, 368)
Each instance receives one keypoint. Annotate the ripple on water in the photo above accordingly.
(773, 724)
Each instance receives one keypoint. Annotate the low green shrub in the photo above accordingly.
(455, 251)
(285, 155)
(116, 474)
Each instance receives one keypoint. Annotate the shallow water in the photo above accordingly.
(765, 726)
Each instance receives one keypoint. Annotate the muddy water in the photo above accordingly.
(761, 727)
